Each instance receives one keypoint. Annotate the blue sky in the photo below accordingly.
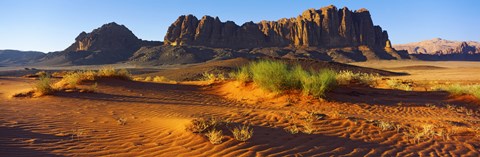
(52, 25)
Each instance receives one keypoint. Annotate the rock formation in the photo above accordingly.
(440, 46)
(327, 27)
(111, 43)
(110, 37)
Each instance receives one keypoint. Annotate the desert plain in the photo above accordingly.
(142, 117)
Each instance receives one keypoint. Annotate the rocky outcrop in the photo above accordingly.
(327, 27)
(111, 43)
(111, 37)
(440, 46)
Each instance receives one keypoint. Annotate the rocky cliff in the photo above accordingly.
(327, 27)
(110, 43)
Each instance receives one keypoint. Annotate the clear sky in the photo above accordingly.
(52, 25)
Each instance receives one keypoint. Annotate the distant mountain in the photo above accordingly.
(442, 50)
(111, 43)
(440, 46)
(15, 57)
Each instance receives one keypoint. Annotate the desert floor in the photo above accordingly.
(131, 118)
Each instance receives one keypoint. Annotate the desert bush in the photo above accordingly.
(347, 77)
(212, 77)
(148, 79)
(200, 125)
(242, 133)
(317, 84)
(215, 136)
(292, 129)
(457, 89)
(308, 128)
(270, 75)
(398, 84)
(277, 76)
(109, 72)
(242, 75)
(88, 75)
(44, 86)
(385, 125)
(72, 79)
(160, 79)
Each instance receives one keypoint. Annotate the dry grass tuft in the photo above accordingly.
(215, 136)
(292, 129)
(349, 77)
(399, 84)
(44, 86)
(457, 89)
(199, 125)
(242, 133)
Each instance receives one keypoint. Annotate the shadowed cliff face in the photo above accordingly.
(110, 37)
(327, 27)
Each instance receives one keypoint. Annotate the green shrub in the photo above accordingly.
(243, 74)
(457, 89)
(44, 86)
(270, 75)
(317, 84)
(277, 76)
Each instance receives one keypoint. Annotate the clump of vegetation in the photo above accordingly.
(242, 133)
(148, 79)
(319, 83)
(242, 75)
(277, 76)
(160, 79)
(44, 86)
(215, 136)
(210, 77)
(398, 84)
(385, 125)
(292, 129)
(346, 77)
(457, 89)
(110, 72)
(72, 79)
(308, 128)
(200, 125)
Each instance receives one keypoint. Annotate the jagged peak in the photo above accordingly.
(362, 10)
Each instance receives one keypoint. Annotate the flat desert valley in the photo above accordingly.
(142, 117)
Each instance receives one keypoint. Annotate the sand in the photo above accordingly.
(127, 118)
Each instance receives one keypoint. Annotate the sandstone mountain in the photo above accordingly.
(327, 27)
(111, 43)
(15, 57)
(440, 46)
(327, 34)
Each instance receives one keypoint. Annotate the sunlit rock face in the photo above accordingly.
(327, 27)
